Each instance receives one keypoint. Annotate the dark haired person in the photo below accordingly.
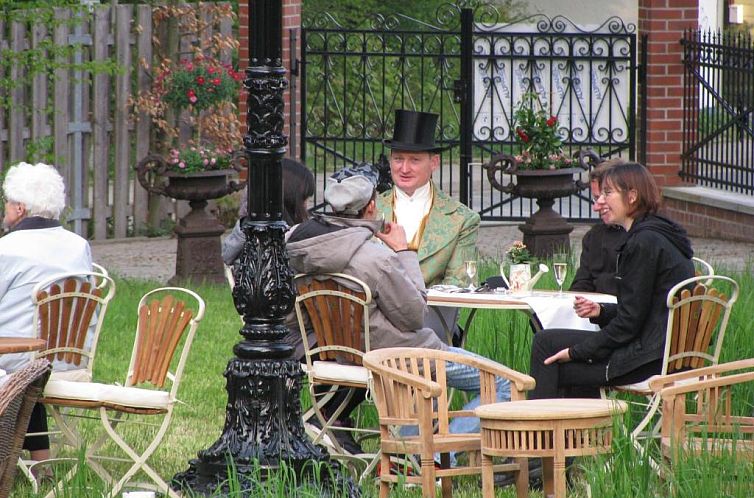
(629, 346)
(298, 188)
(599, 246)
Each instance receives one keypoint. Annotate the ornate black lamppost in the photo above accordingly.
(263, 424)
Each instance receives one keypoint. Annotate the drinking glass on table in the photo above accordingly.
(471, 272)
(560, 269)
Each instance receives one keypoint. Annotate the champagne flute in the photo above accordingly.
(471, 272)
(560, 269)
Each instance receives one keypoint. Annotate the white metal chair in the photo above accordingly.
(167, 316)
(336, 307)
(702, 268)
(69, 310)
(697, 321)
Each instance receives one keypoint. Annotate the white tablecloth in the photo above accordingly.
(557, 312)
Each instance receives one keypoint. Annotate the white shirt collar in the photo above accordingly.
(410, 210)
(422, 194)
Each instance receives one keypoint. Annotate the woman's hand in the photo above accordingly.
(562, 356)
(586, 308)
(394, 236)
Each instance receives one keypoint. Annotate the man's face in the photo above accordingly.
(412, 170)
(597, 201)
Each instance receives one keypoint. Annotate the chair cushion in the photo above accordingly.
(75, 375)
(332, 371)
(106, 393)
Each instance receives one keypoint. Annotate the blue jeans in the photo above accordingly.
(465, 378)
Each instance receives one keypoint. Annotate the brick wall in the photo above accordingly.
(709, 221)
(664, 22)
(291, 20)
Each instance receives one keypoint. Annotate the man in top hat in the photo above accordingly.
(344, 243)
(441, 230)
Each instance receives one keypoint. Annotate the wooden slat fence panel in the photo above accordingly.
(101, 122)
(95, 142)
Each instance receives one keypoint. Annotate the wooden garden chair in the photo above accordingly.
(336, 307)
(708, 411)
(19, 392)
(696, 326)
(69, 310)
(409, 389)
(167, 321)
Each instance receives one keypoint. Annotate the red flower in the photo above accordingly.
(552, 121)
(200, 80)
(211, 70)
(522, 135)
(217, 81)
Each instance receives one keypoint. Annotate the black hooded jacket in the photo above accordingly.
(655, 256)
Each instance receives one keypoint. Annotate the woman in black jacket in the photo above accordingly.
(630, 345)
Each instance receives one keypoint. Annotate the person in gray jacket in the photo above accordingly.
(345, 243)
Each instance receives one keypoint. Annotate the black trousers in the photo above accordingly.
(37, 423)
(574, 378)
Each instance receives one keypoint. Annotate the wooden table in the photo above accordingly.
(20, 344)
(551, 429)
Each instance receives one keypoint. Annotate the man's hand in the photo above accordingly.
(562, 356)
(586, 308)
(394, 236)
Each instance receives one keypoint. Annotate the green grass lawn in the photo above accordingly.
(503, 336)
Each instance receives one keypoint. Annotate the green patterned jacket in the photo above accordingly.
(448, 240)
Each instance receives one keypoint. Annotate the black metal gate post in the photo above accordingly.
(263, 426)
(466, 128)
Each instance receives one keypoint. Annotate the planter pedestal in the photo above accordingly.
(199, 253)
(546, 232)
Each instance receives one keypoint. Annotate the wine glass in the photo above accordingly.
(471, 272)
(560, 269)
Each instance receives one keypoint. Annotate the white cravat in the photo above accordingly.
(411, 209)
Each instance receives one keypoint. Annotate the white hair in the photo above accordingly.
(39, 187)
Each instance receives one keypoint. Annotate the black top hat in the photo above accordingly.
(414, 131)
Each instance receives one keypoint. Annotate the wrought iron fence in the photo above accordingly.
(472, 68)
(718, 135)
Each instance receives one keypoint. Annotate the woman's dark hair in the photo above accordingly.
(634, 176)
(298, 186)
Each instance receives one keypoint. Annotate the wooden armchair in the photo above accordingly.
(19, 392)
(702, 414)
(410, 390)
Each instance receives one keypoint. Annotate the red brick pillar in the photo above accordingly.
(664, 21)
(291, 20)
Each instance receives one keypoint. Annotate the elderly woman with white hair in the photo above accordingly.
(36, 248)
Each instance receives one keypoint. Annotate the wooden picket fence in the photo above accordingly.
(84, 114)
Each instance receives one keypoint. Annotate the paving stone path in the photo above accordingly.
(154, 258)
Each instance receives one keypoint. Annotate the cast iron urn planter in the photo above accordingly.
(546, 231)
(198, 254)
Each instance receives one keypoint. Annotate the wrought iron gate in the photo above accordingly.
(472, 69)
(718, 135)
